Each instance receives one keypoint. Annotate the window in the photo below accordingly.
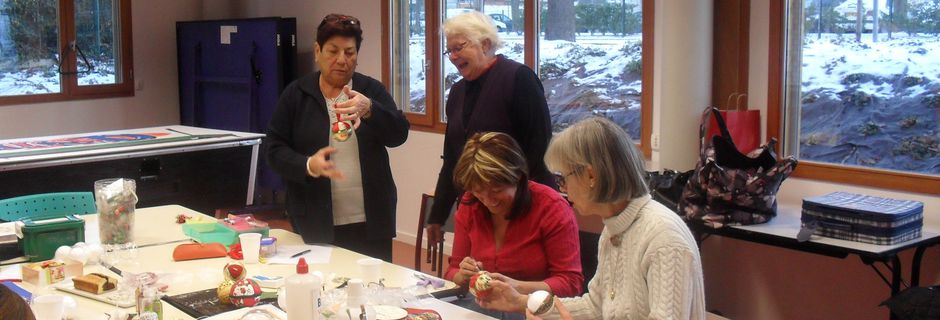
(62, 50)
(590, 56)
(860, 99)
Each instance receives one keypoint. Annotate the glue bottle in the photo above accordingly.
(303, 293)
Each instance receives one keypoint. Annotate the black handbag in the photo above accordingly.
(666, 186)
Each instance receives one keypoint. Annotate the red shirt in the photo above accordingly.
(541, 245)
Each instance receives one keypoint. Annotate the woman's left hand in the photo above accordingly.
(357, 107)
(510, 281)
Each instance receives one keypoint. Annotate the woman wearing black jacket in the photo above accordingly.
(339, 185)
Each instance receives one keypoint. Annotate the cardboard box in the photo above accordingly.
(51, 271)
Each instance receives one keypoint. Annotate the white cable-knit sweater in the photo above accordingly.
(648, 268)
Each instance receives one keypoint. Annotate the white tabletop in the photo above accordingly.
(787, 224)
(156, 225)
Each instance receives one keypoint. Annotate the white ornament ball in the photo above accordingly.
(62, 252)
(79, 245)
(71, 307)
(79, 254)
(94, 252)
(540, 302)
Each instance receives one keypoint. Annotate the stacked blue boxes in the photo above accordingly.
(863, 218)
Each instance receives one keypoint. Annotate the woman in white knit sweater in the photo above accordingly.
(648, 263)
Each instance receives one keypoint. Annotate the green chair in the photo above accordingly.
(47, 205)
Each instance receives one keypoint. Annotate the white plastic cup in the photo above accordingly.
(355, 293)
(371, 269)
(49, 307)
(251, 246)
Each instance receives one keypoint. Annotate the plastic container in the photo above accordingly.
(42, 238)
(268, 247)
(116, 200)
(215, 233)
(303, 293)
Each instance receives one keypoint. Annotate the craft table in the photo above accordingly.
(156, 226)
(781, 232)
(203, 169)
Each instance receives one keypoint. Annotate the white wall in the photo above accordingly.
(156, 103)
(682, 76)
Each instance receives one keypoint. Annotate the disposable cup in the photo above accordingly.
(371, 270)
(49, 307)
(251, 246)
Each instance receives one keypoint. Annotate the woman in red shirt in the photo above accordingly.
(523, 231)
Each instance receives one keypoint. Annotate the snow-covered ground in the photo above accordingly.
(42, 80)
(871, 104)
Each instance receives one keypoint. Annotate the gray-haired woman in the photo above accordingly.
(650, 266)
(496, 94)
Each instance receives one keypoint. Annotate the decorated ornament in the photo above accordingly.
(234, 271)
(540, 302)
(224, 291)
(245, 293)
(342, 130)
(480, 284)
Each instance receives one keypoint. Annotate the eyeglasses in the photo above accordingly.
(560, 178)
(457, 49)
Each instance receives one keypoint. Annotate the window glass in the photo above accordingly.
(412, 56)
(590, 61)
(866, 93)
(29, 48)
(96, 38)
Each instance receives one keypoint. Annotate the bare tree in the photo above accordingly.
(859, 20)
(560, 20)
(874, 21)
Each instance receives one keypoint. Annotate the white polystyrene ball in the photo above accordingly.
(79, 254)
(79, 245)
(71, 307)
(62, 252)
(94, 252)
(537, 299)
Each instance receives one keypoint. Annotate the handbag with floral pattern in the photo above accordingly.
(729, 187)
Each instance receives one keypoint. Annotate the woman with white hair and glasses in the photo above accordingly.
(649, 264)
(496, 94)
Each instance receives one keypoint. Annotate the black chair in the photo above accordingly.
(435, 253)
(589, 233)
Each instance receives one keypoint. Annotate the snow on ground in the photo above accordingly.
(871, 104)
(45, 80)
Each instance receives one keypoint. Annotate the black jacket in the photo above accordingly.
(508, 98)
(300, 126)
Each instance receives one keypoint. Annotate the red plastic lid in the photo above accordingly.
(302, 266)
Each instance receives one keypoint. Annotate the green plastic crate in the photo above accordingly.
(41, 238)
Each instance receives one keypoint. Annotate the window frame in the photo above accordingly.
(893, 180)
(429, 121)
(70, 89)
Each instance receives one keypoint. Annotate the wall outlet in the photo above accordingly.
(654, 141)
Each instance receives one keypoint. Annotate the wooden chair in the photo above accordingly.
(47, 205)
(435, 254)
